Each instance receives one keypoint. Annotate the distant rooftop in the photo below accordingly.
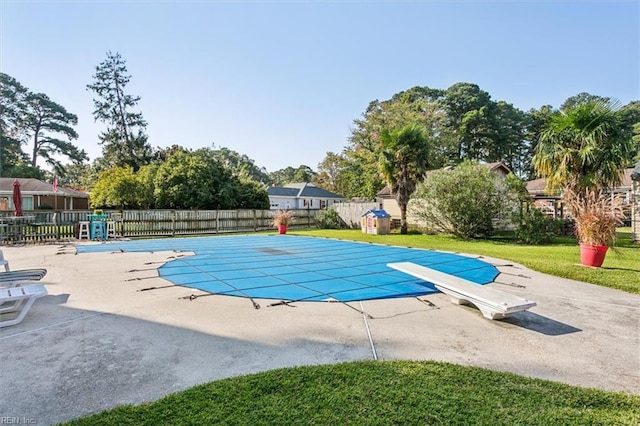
(32, 186)
(302, 190)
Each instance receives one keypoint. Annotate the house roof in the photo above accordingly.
(498, 166)
(635, 172)
(30, 186)
(627, 179)
(301, 190)
(279, 191)
(384, 192)
(537, 186)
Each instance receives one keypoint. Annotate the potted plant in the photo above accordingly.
(282, 219)
(596, 215)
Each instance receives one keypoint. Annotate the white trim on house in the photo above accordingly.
(301, 196)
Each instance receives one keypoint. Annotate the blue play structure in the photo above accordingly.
(295, 268)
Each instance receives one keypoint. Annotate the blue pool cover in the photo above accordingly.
(295, 268)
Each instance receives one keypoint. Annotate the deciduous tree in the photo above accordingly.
(290, 175)
(241, 165)
(116, 187)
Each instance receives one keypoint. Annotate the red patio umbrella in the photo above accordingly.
(17, 198)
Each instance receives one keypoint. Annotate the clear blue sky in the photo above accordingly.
(282, 81)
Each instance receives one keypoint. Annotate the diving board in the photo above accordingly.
(493, 303)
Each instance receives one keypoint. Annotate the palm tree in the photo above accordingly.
(582, 151)
(583, 148)
(403, 163)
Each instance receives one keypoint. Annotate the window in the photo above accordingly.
(27, 202)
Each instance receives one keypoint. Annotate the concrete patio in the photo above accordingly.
(96, 341)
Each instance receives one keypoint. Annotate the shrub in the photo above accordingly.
(463, 201)
(534, 227)
(329, 219)
(282, 217)
(596, 216)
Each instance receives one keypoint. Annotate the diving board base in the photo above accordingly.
(493, 303)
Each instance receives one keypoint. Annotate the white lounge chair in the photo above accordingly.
(4, 261)
(22, 298)
(493, 303)
(15, 278)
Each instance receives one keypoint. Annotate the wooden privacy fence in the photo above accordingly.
(63, 225)
(351, 213)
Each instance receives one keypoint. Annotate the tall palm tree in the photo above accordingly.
(403, 163)
(583, 147)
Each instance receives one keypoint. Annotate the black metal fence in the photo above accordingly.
(52, 226)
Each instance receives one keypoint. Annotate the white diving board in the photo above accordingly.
(493, 303)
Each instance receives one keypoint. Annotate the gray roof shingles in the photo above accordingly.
(303, 190)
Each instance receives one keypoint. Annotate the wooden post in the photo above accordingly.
(255, 221)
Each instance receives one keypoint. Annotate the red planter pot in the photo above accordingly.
(282, 229)
(592, 255)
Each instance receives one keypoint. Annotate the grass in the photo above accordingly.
(380, 393)
(621, 268)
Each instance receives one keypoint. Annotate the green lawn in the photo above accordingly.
(380, 393)
(621, 268)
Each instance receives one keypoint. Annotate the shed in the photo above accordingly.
(375, 222)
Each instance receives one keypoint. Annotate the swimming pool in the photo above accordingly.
(298, 268)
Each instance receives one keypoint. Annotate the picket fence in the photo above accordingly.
(51, 226)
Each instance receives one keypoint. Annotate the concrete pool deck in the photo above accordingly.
(96, 341)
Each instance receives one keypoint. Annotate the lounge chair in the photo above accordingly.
(22, 298)
(493, 303)
(4, 261)
(15, 278)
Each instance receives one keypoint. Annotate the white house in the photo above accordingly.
(301, 196)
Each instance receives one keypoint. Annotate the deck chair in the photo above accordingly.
(18, 300)
(4, 261)
(15, 278)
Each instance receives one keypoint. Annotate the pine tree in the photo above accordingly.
(124, 143)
